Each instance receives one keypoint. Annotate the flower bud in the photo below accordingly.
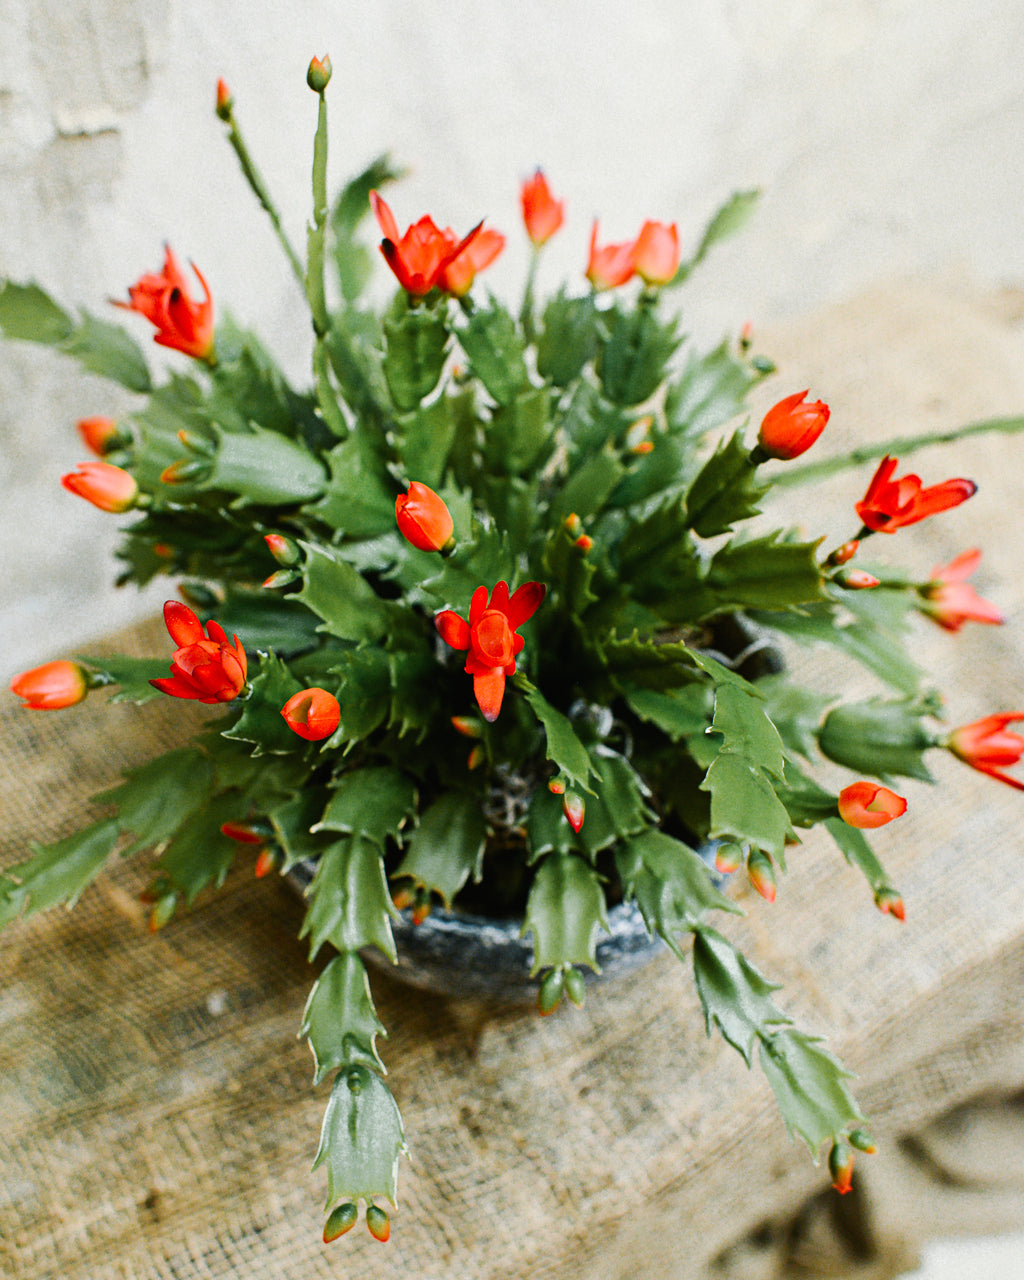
(343, 1219)
(98, 434)
(575, 988)
(52, 686)
(863, 1141)
(242, 832)
(266, 861)
(844, 553)
(552, 987)
(107, 487)
(319, 74)
(423, 519)
(378, 1223)
(791, 427)
(889, 902)
(728, 858)
(468, 726)
(284, 550)
(225, 100)
(476, 757)
(840, 1165)
(868, 804)
(574, 808)
(656, 252)
(856, 580)
(542, 213)
(762, 874)
(312, 713)
(280, 578)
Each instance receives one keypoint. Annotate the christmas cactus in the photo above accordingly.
(491, 549)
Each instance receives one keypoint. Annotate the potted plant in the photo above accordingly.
(481, 616)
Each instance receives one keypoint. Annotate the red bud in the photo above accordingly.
(378, 1223)
(341, 1220)
(574, 808)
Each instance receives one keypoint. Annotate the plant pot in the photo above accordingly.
(458, 954)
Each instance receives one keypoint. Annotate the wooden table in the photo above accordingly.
(157, 1118)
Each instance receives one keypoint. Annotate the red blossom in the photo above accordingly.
(656, 252)
(491, 637)
(181, 322)
(988, 746)
(611, 264)
(542, 213)
(868, 804)
(457, 277)
(950, 600)
(892, 504)
(205, 666)
(420, 257)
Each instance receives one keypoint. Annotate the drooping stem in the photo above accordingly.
(259, 188)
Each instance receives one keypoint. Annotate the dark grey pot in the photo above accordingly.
(465, 955)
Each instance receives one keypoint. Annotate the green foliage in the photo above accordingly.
(57, 872)
(339, 1020)
(447, 846)
(878, 737)
(28, 313)
(362, 1138)
(726, 490)
(565, 912)
(161, 796)
(349, 902)
(495, 352)
(414, 355)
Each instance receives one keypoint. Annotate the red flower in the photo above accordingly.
(107, 487)
(205, 666)
(52, 686)
(490, 636)
(867, 804)
(951, 600)
(988, 746)
(181, 322)
(891, 504)
(457, 277)
(423, 518)
(418, 258)
(791, 427)
(98, 434)
(542, 213)
(312, 713)
(611, 264)
(656, 252)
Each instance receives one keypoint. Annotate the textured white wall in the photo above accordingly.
(885, 134)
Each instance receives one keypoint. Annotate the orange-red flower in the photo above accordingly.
(868, 804)
(418, 258)
(542, 213)
(611, 264)
(790, 427)
(108, 487)
(423, 518)
(312, 713)
(892, 504)
(491, 637)
(950, 599)
(98, 434)
(457, 277)
(52, 686)
(205, 666)
(181, 322)
(656, 252)
(988, 746)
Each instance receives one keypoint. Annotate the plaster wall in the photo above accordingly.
(885, 134)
